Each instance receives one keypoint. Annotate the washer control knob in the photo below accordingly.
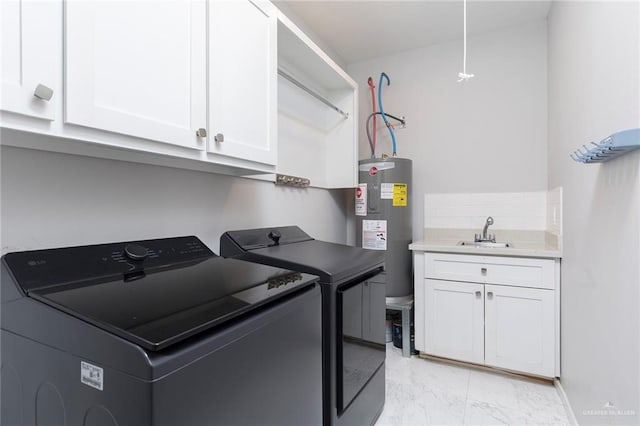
(275, 237)
(136, 252)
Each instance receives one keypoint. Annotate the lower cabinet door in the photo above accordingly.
(454, 320)
(519, 329)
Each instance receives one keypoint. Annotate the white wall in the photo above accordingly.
(53, 200)
(594, 55)
(486, 135)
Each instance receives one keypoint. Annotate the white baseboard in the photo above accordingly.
(565, 402)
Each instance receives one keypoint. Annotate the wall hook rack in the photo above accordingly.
(299, 182)
(609, 148)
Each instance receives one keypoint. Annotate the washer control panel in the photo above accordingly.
(43, 268)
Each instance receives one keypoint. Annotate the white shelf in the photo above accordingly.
(314, 140)
(296, 48)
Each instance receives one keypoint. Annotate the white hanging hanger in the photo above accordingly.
(463, 76)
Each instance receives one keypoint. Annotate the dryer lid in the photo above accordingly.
(297, 251)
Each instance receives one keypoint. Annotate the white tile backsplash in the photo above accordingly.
(510, 210)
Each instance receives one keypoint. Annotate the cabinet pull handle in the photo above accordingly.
(483, 271)
(489, 295)
(201, 133)
(478, 294)
(219, 137)
(43, 92)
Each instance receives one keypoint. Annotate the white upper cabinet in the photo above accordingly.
(137, 68)
(229, 86)
(243, 80)
(30, 57)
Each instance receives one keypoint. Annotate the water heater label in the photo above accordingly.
(374, 234)
(361, 199)
(91, 375)
(386, 191)
(400, 195)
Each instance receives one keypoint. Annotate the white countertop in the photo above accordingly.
(446, 241)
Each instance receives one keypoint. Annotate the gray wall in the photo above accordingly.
(593, 92)
(485, 135)
(52, 200)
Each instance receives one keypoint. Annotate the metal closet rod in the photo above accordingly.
(312, 93)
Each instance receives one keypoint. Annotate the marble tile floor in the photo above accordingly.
(426, 392)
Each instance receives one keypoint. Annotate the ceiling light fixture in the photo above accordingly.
(463, 76)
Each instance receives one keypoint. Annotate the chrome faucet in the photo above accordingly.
(484, 236)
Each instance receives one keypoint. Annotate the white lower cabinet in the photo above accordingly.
(455, 320)
(519, 332)
(493, 321)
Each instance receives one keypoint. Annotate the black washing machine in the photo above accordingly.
(353, 313)
(157, 332)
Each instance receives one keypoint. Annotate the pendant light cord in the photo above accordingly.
(463, 76)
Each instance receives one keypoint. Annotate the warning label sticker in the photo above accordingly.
(361, 200)
(374, 234)
(386, 191)
(399, 195)
(91, 375)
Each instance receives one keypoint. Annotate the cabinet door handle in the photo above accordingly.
(43, 92)
(201, 132)
(478, 294)
(483, 271)
(219, 137)
(489, 295)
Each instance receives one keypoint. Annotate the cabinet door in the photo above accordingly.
(520, 332)
(137, 68)
(31, 48)
(454, 320)
(242, 80)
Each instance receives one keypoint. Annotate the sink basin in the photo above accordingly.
(488, 244)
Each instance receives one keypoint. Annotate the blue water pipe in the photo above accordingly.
(384, 117)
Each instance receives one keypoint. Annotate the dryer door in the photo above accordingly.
(361, 337)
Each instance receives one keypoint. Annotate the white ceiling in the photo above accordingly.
(360, 30)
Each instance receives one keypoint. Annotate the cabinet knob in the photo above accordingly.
(219, 137)
(201, 133)
(478, 294)
(489, 295)
(43, 92)
(483, 271)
